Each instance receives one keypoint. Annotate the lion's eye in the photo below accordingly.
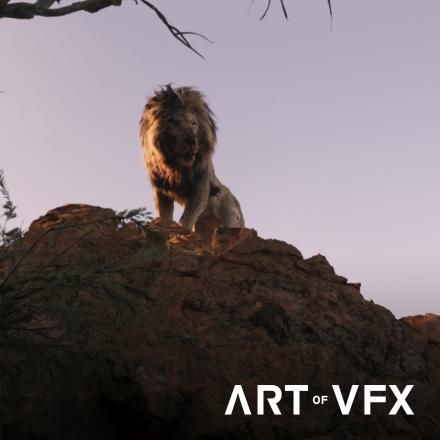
(194, 123)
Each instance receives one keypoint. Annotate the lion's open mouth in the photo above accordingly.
(188, 157)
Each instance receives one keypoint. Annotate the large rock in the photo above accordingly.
(111, 331)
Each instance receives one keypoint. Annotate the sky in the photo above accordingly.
(329, 133)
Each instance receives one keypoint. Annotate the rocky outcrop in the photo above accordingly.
(112, 331)
(427, 325)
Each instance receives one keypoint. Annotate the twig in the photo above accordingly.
(178, 34)
(330, 8)
(267, 9)
(283, 7)
(67, 248)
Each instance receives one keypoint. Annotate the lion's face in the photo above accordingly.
(180, 137)
(177, 131)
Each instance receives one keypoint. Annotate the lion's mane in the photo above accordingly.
(155, 125)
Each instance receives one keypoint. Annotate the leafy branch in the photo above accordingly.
(28, 319)
(7, 236)
(138, 216)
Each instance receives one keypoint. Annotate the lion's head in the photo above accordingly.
(177, 128)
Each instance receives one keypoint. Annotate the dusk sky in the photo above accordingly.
(328, 135)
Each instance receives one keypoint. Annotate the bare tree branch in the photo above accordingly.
(44, 8)
(46, 3)
(22, 10)
(269, 2)
(177, 33)
(283, 7)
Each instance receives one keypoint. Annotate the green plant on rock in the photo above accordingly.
(9, 213)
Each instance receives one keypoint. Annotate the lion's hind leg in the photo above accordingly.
(227, 210)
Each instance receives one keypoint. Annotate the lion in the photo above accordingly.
(178, 135)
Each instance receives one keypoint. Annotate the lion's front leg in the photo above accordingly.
(164, 206)
(196, 203)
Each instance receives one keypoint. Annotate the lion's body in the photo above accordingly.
(178, 136)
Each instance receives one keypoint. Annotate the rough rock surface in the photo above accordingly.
(114, 332)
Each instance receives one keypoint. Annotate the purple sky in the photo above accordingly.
(329, 138)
